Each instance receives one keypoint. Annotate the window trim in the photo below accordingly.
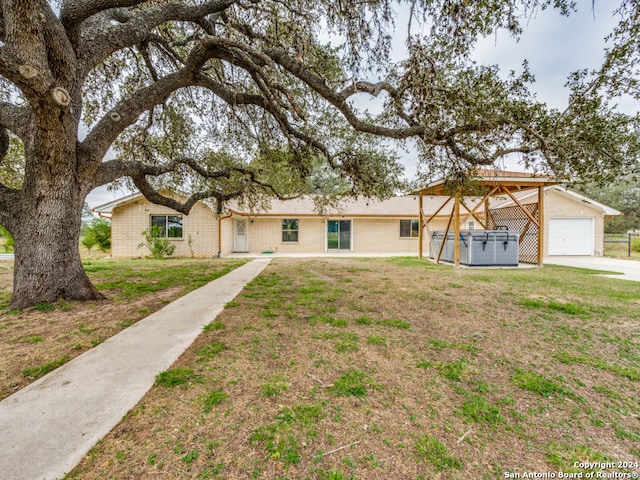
(166, 229)
(414, 233)
(289, 230)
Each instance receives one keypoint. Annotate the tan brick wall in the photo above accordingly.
(129, 220)
(382, 235)
(369, 235)
(266, 234)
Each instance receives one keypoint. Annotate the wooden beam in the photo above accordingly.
(540, 225)
(486, 213)
(426, 227)
(456, 233)
(485, 201)
(444, 239)
(438, 210)
(522, 208)
(420, 226)
(526, 227)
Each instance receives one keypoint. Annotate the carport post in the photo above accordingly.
(540, 225)
(420, 226)
(456, 232)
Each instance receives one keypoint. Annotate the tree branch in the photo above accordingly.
(339, 100)
(154, 196)
(234, 98)
(126, 113)
(74, 12)
(31, 77)
(36, 56)
(374, 89)
(114, 169)
(101, 38)
(15, 118)
(139, 171)
(485, 159)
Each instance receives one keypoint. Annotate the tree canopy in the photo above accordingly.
(623, 195)
(241, 98)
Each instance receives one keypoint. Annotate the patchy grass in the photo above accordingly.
(213, 399)
(352, 383)
(210, 350)
(537, 383)
(431, 450)
(175, 377)
(37, 340)
(526, 370)
(35, 372)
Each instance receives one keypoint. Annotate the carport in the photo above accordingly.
(478, 200)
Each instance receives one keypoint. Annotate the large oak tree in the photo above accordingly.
(230, 98)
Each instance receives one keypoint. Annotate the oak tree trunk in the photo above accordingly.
(46, 229)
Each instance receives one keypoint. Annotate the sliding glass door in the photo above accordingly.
(338, 234)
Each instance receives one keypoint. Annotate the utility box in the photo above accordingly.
(485, 248)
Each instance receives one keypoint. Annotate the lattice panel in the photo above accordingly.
(515, 220)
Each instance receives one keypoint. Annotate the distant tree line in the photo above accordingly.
(623, 196)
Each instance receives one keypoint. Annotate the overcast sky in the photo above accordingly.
(553, 45)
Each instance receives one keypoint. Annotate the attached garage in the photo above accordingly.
(571, 236)
(573, 223)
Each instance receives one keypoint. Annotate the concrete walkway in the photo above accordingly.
(627, 269)
(49, 426)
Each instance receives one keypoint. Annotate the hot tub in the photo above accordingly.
(484, 248)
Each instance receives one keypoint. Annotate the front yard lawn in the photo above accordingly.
(339, 368)
(38, 340)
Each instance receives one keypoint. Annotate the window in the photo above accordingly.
(409, 228)
(171, 225)
(471, 225)
(290, 230)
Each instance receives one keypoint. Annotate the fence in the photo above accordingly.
(619, 244)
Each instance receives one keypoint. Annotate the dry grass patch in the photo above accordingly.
(393, 368)
(35, 341)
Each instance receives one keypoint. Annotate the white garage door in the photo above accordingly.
(571, 236)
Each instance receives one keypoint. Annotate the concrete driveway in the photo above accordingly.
(629, 269)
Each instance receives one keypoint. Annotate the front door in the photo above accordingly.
(240, 237)
(338, 234)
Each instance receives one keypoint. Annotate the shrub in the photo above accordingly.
(98, 232)
(8, 239)
(158, 246)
